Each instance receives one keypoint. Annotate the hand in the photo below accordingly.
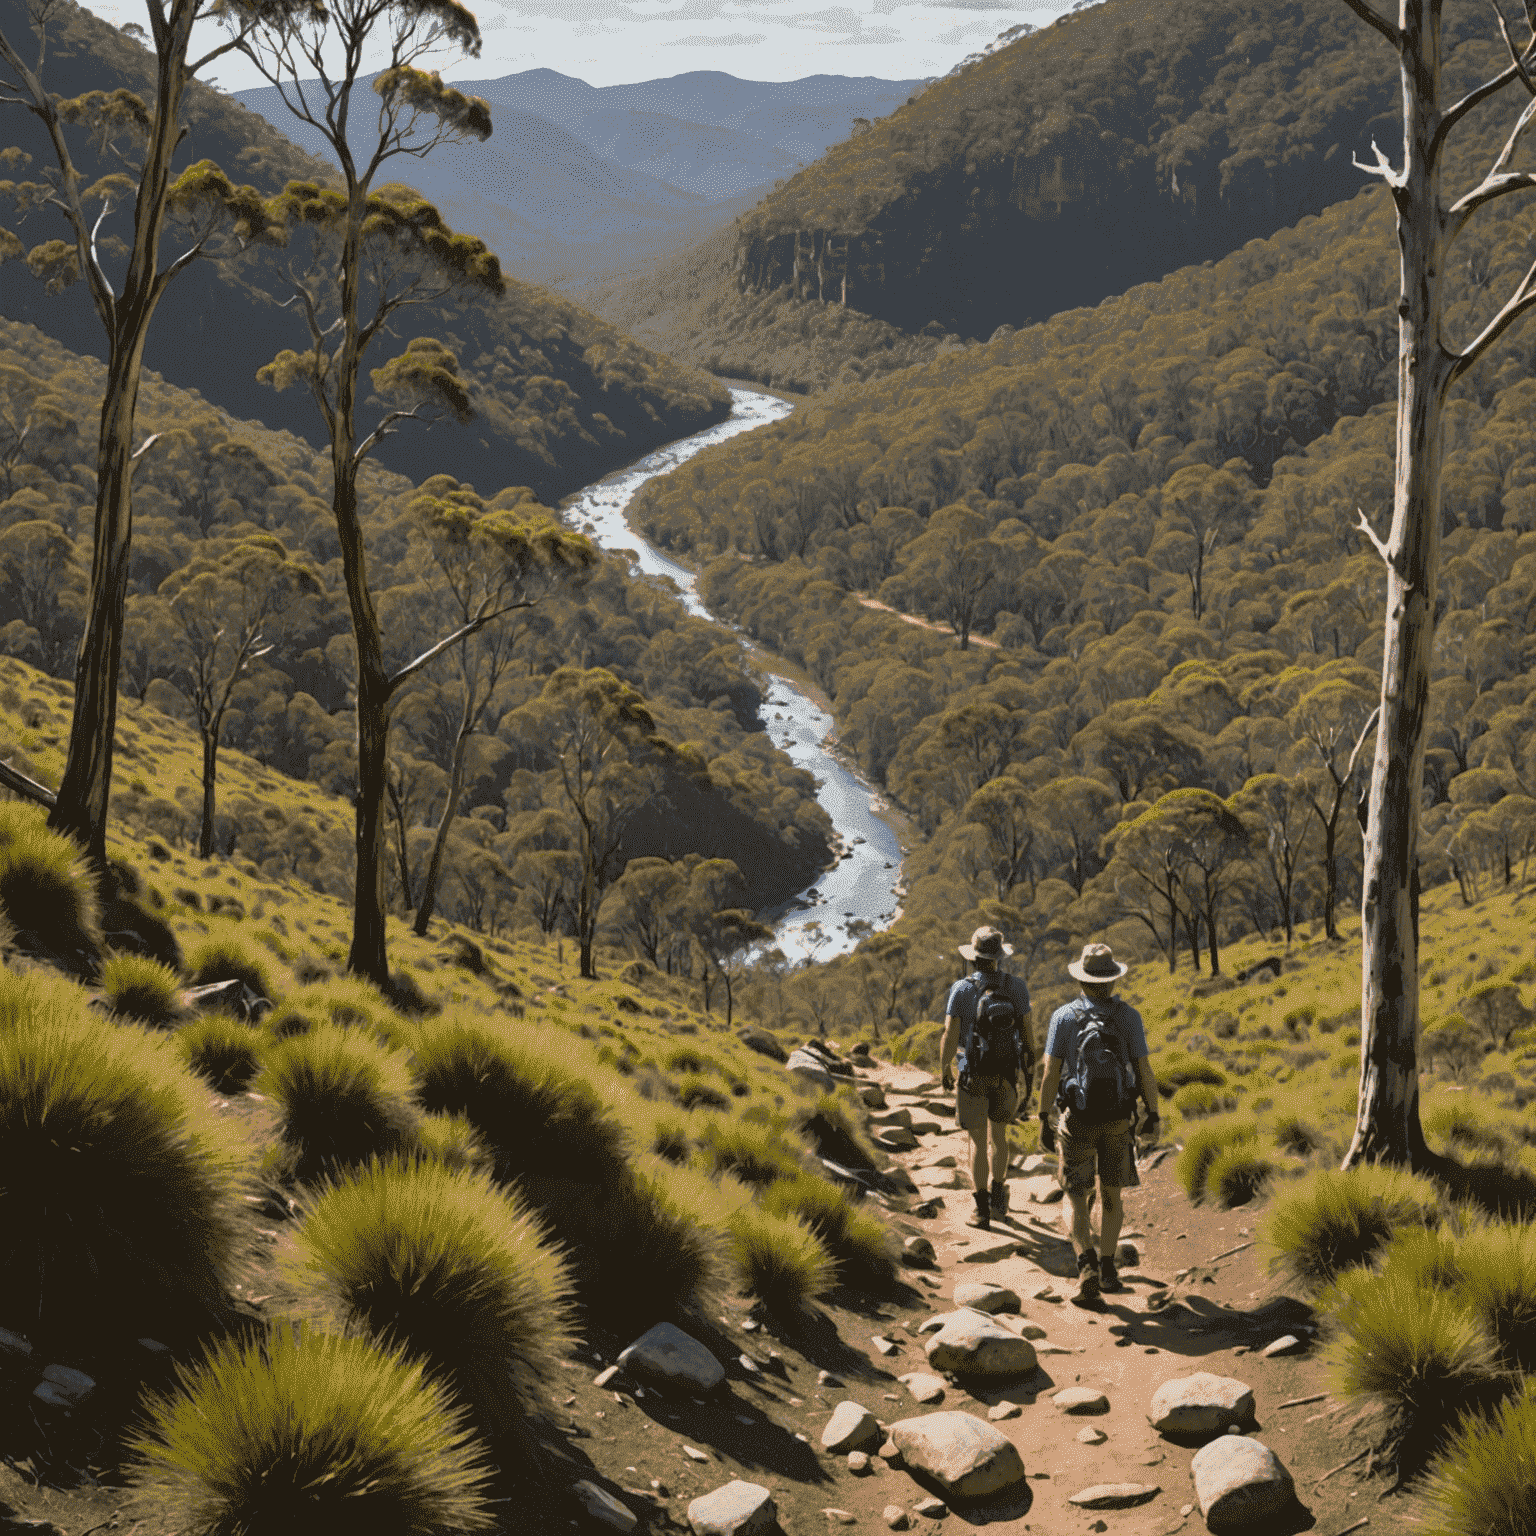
(1047, 1134)
(1151, 1125)
(947, 1080)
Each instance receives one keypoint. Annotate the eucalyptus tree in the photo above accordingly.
(143, 137)
(1429, 221)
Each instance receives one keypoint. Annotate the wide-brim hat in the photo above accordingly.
(986, 944)
(1096, 963)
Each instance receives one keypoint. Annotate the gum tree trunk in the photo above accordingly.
(440, 842)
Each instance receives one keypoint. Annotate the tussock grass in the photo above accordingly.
(287, 1020)
(755, 1154)
(306, 1431)
(697, 1092)
(119, 1185)
(779, 1260)
(137, 987)
(341, 1097)
(448, 1264)
(833, 1124)
(1497, 1264)
(46, 888)
(1459, 1126)
(1175, 1069)
(1296, 1135)
(1336, 1220)
(1203, 1146)
(452, 1141)
(1425, 1256)
(226, 956)
(225, 1052)
(1197, 1100)
(1237, 1175)
(856, 1240)
(1482, 1484)
(669, 1139)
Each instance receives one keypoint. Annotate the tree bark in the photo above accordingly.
(210, 776)
(450, 806)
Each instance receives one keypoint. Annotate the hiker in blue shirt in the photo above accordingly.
(1096, 1063)
(996, 1059)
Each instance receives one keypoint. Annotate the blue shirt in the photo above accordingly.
(961, 1007)
(1061, 1037)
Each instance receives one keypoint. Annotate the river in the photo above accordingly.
(862, 885)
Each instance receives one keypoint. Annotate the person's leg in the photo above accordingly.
(999, 1186)
(978, 1158)
(971, 1112)
(1082, 1233)
(1117, 1170)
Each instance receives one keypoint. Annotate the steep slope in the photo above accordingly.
(561, 396)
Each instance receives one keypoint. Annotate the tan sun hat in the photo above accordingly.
(1097, 963)
(986, 944)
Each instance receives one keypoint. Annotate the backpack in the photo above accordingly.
(994, 1047)
(1102, 1086)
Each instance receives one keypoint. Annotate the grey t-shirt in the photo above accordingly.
(1061, 1037)
(963, 998)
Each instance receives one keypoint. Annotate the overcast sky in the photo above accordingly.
(612, 42)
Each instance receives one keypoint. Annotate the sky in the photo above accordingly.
(614, 42)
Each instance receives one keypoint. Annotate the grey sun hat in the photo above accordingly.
(1097, 963)
(986, 944)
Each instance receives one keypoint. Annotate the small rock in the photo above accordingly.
(605, 1376)
(934, 1323)
(749, 1325)
(898, 1117)
(897, 1518)
(1238, 1481)
(931, 1508)
(858, 1462)
(153, 1347)
(895, 1138)
(804, 1064)
(851, 1427)
(889, 1451)
(827, 1379)
(873, 1095)
(969, 1456)
(13, 1348)
(1045, 1347)
(971, 1343)
(747, 1363)
(1186, 1509)
(923, 1387)
(1045, 1293)
(1098, 1525)
(1081, 1400)
(74, 1386)
(1289, 1345)
(884, 1345)
(694, 1454)
(839, 1516)
(602, 1507)
(917, 1253)
(1114, 1495)
(1031, 1331)
(1004, 1410)
(1092, 1436)
(736, 1509)
(666, 1356)
(986, 1296)
(1127, 1256)
(1201, 1404)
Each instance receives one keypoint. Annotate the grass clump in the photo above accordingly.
(697, 1092)
(855, 1239)
(1237, 1175)
(287, 1020)
(136, 987)
(1497, 1278)
(448, 1264)
(833, 1124)
(1458, 1126)
(1482, 1484)
(227, 958)
(1203, 1146)
(1297, 1136)
(46, 889)
(669, 1139)
(1198, 1100)
(119, 1185)
(306, 1431)
(1337, 1220)
(341, 1097)
(779, 1260)
(452, 1141)
(755, 1154)
(1176, 1069)
(221, 1050)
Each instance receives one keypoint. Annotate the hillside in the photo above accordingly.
(561, 396)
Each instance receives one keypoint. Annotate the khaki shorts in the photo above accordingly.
(1109, 1150)
(991, 1098)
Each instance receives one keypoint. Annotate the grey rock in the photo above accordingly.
(1202, 1404)
(14, 1350)
(969, 1456)
(897, 1518)
(917, 1253)
(603, 1377)
(873, 1095)
(1239, 1480)
(1004, 1410)
(1114, 1495)
(931, 1508)
(1289, 1345)
(736, 1509)
(851, 1428)
(1127, 1255)
(972, 1344)
(923, 1387)
(986, 1296)
(74, 1386)
(840, 1516)
(602, 1507)
(807, 1065)
(895, 1138)
(827, 1379)
(901, 1117)
(1081, 1400)
(858, 1462)
(1091, 1436)
(665, 1356)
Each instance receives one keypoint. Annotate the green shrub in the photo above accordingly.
(687, 1058)
(1423, 1350)
(1498, 1280)
(1175, 1069)
(223, 1051)
(287, 1020)
(136, 987)
(1236, 1175)
(304, 1431)
(833, 1124)
(447, 1263)
(1297, 1136)
(1482, 1484)
(1197, 1100)
(653, 1256)
(120, 1185)
(346, 1001)
(756, 1155)
(779, 1260)
(46, 888)
(669, 1139)
(225, 957)
(855, 1239)
(917, 1046)
(452, 1141)
(696, 1092)
(341, 1098)
(1336, 1220)
(1203, 1146)
(1426, 1256)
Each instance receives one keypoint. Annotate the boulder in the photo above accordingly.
(812, 1069)
(873, 1095)
(924, 1387)
(763, 1043)
(71, 1385)
(1239, 1480)
(1114, 1495)
(968, 1456)
(851, 1428)
(1081, 1400)
(1202, 1404)
(972, 1344)
(895, 1138)
(603, 1508)
(896, 1517)
(986, 1296)
(901, 1117)
(736, 1509)
(665, 1356)
(917, 1253)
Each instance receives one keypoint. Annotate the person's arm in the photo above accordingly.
(1147, 1080)
(1049, 1084)
(947, 1048)
(1027, 1043)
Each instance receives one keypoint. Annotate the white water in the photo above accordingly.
(861, 886)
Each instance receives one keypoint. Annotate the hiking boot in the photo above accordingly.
(1088, 1276)
(1109, 1276)
(999, 1198)
(983, 1216)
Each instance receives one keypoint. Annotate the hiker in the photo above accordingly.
(1095, 1065)
(987, 1023)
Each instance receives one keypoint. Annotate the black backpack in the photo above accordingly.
(1102, 1086)
(994, 1047)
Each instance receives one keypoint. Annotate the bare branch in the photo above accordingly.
(385, 429)
(1522, 299)
(144, 447)
(1498, 181)
(1370, 533)
(1388, 30)
(464, 631)
(1517, 63)
(1365, 731)
(19, 784)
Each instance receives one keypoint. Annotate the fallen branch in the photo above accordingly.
(1356, 1526)
(1230, 1251)
(1358, 1456)
(1301, 1402)
(18, 783)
